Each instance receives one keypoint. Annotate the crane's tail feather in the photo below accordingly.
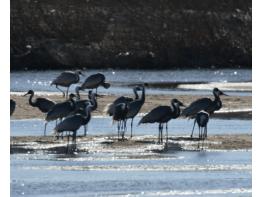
(106, 85)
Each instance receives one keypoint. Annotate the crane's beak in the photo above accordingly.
(222, 93)
(25, 94)
(98, 95)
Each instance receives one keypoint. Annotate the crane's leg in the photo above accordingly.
(118, 128)
(131, 126)
(193, 129)
(67, 93)
(161, 133)
(85, 130)
(61, 91)
(200, 133)
(205, 132)
(203, 138)
(159, 136)
(45, 128)
(167, 132)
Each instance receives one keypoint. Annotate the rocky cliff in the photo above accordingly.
(160, 34)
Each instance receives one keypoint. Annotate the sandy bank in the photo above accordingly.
(29, 144)
(233, 106)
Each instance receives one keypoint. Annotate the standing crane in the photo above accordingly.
(122, 99)
(66, 79)
(94, 81)
(206, 104)
(162, 115)
(60, 110)
(73, 123)
(135, 106)
(43, 104)
(119, 114)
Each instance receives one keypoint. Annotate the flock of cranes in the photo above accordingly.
(75, 111)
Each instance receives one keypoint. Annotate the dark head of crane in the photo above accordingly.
(94, 81)
(66, 79)
(43, 104)
(162, 115)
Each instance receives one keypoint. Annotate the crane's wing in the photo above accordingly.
(44, 104)
(196, 106)
(156, 114)
(66, 78)
(134, 108)
(70, 123)
(93, 81)
(109, 109)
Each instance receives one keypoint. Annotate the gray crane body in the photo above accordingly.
(73, 123)
(66, 79)
(205, 104)
(43, 104)
(162, 115)
(94, 81)
(110, 108)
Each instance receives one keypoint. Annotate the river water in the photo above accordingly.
(133, 171)
(22, 81)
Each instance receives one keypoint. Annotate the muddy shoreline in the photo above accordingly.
(233, 106)
(32, 144)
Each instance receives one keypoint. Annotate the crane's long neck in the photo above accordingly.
(217, 102)
(136, 94)
(217, 98)
(77, 76)
(142, 99)
(94, 102)
(77, 92)
(73, 104)
(175, 108)
(31, 102)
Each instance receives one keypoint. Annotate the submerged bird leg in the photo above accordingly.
(61, 91)
(193, 129)
(131, 126)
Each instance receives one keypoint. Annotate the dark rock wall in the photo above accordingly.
(160, 34)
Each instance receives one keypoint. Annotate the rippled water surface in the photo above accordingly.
(104, 170)
(208, 173)
(40, 80)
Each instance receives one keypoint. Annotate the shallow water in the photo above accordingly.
(40, 80)
(34, 127)
(206, 173)
(103, 170)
